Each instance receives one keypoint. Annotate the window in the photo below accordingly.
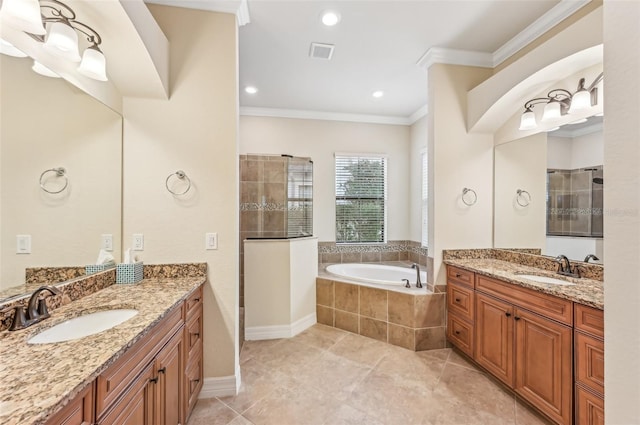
(361, 195)
(425, 199)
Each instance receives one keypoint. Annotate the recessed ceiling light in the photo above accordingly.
(377, 94)
(330, 18)
(251, 90)
(578, 121)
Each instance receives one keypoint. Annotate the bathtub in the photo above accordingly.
(377, 274)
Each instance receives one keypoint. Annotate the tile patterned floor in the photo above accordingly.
(326, 376)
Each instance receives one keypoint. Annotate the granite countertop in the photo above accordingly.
(37, 380)
(585, 291)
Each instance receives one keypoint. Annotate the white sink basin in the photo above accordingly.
(82, 326)
(545, 279)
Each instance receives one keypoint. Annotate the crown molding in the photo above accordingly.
(239, 8)
(455, 57)
(324, 116)
(553, 17)
(419, 113)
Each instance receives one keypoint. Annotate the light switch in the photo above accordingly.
(138, 242)
(211, 241)
(107, 242)
(23, 244)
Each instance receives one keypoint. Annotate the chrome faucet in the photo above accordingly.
(418, 282)
(591, 257)
(36, 309)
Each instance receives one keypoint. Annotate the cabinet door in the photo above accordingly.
(169, 367)
(494, 337)
(589, 408)
(136, 406)
(543, 364)
(78, 412)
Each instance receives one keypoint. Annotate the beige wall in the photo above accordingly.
(48, 123)
(320, 140)
(419, 137)
(622, 216)
(457, 159)
(521, 164)
(195, 131)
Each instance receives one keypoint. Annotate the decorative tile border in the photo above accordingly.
(331, 252)
(587, 270)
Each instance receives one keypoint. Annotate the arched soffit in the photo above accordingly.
(578, 47)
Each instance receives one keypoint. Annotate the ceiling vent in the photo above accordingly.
(321, 51)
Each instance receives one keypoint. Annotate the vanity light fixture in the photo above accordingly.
(330, 18)
(61, 35)
(560, 102)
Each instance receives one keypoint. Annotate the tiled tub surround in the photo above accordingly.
(331, 252)
(410, 318)
(38, 380)
(588, 271)
(589, 292)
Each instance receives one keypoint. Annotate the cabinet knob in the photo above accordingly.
(457, 300)
(154, 380)
(516, 317)
(458, 275)
(162, 370)
(507, 314)
(197, 300)
(457, 332)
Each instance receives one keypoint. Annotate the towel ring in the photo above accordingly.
(60, 172)
(182, 176)
(523, 198)
(475, 196)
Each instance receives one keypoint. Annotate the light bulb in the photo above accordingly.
(23, 15)
(93, 64)
(528, 120)
(63, 41)
(330, 18)
(580, 101)
(551, 111)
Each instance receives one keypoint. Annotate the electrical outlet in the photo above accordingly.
(23, 244)
(211, 241)
(107, 242)
(138, 242)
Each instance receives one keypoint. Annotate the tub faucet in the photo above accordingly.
(418, 282)
(591, 257)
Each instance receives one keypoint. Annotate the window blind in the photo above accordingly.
(425, 200)
(361, 194)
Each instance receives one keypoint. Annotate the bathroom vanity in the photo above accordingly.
(147, 370)
(532, 336)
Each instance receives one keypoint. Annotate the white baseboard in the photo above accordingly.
(221, 386)
(257, 333)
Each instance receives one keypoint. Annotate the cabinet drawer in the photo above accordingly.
(193, 334)
(462, 276)
(460, 300)
(589, 320)
(193, 382)
(460, 334)
(589, 408)
(590, 362)
(193, 302)
(547, 305)
(114, 381)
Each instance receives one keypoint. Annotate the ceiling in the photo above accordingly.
(377, 47)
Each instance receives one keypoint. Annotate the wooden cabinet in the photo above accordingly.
(494, 337)
(543, 364)
(461, 309)
(522, 337)
(79, 411)
(193, 376)
(589, 365)
(135, 405)
(169, 370)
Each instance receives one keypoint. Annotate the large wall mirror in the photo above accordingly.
(48, 124)
(549, 192)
